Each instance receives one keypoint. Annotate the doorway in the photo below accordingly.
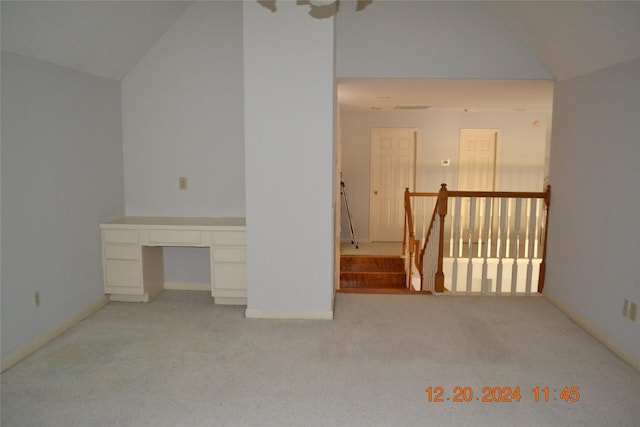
(476, 172)
(477, 160)
(393, 168)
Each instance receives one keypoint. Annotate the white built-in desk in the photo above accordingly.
(133, 262)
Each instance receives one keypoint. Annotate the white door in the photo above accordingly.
(477, 162)
(393, 164)
(476, 172)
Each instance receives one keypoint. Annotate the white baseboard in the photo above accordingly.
(251, 313)
(43, 339)
(596, 333)
(230, 300)
(184, 286)
(130, 298)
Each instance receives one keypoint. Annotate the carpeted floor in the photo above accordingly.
(182, 361)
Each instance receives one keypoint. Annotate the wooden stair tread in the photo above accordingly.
(372, 272)
(374, 291)
(372, 263)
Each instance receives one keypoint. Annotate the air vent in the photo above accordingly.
(411, 107)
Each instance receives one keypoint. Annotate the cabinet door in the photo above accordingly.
(230, 276)
(123, 277)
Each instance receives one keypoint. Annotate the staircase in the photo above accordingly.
(374, 274)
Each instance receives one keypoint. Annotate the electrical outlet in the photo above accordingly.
(182, 183)
(36, 298)
(625, 308)
(633, 311)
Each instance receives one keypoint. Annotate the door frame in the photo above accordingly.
(416, 137)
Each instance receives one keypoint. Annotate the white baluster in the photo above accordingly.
(485, 249)
(502, 242)
(457, 244)
(472, 226)
(532, 240)
(516, 245)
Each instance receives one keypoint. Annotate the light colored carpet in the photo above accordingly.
(181, 361)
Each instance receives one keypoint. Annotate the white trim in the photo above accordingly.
(48, 336)
(185, 286)
(596, 333)
(230, 300)
(129, 298)
(251, 313)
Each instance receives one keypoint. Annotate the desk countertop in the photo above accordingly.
(135, 221)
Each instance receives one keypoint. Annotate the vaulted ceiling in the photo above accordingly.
(107, 38)
(572, 38)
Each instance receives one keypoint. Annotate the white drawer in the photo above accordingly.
(175, 237)
(123, 274)
(238, 254)
(122, 252)
(120, 236)
(230, 276)
(229, 238)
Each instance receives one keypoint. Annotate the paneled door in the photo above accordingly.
(477, 163)
(476, 172)
(393, 165)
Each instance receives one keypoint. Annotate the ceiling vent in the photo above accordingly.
(411, 107)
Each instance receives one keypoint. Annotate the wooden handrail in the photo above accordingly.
(496, 194)
(423, 194)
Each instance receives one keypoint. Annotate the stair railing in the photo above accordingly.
(416, 229)
(497, 236)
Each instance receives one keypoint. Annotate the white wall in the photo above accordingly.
(289, 115)
(438, 39)
(61, 176)
(182, 115)
(593, 252)
(520, 151)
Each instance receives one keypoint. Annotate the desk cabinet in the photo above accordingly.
(228, 261)
(133, 260)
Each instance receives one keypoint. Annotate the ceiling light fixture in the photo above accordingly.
(321, 3)
(320, 9)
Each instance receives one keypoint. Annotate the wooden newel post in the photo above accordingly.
(543, 263)
(408, 227)
(442, 212)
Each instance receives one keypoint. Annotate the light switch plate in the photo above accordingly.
(182, 183)
(633, 311)
(625, 308)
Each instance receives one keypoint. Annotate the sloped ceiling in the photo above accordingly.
(573, 38)
(105, 38)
